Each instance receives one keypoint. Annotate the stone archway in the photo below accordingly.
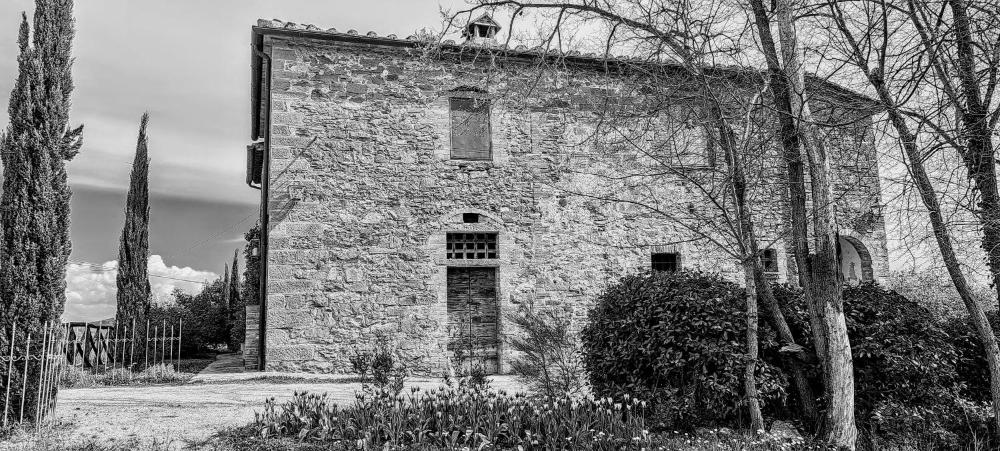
(855, 261)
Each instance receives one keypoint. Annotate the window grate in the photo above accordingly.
(665, 261)
(471, 246)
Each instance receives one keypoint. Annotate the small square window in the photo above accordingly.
(666, 261)
(470, 218)
(470, 129)
(769, 259)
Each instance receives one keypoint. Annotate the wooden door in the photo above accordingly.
(473, 335)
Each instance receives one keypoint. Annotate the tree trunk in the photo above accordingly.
(749, 375)
(943, 238)
(914, 162)
(977, 135)
(766, 296)
(819, 271)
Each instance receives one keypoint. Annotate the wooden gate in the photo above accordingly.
(472, 318)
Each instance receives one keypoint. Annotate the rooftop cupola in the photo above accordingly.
(481, 31)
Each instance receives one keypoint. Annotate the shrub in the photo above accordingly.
(549, 361)
(77, 377)
(676, 339)
(907, 387)
(456, 418)
(970, 362)
(381, 363)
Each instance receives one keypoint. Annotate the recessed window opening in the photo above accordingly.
(769, 259)
(471, 246)
(470, 218)
(470, 129)
(666, 261)
(484, 31)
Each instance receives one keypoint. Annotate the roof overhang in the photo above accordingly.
(519, 53)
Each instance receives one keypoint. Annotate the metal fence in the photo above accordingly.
(32, 362)
(97, 346)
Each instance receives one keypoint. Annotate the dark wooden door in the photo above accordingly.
(473, 336)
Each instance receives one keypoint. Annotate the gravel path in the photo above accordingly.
(193, 412)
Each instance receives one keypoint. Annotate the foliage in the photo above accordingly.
(361, 363)
(456, 417)
(379, 363)
(35, 199)
(237, 310)
(970, 363)
(250, 289)
(907, 382)
(936, 292)
(548, 356)
(133, 293)
(203, 314)
(676, 339)
(77, 377)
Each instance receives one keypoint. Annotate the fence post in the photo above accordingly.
(41, 370)
(87, 345)
(163, 343)
(156, 333)
(145, 349)
(172, 345)
(114, 347)
(124, 345)
(24, 378)
(131, 351)
(10, 369)
(180, 330)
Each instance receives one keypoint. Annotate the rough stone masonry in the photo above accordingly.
(372, 195)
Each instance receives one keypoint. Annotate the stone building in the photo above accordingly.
(424, 193)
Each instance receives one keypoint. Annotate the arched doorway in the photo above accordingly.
(855, 261)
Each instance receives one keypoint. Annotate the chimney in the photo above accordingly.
(482, 31)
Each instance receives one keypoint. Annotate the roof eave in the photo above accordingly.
(258, 33)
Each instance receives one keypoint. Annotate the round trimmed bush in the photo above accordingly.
(677, 341)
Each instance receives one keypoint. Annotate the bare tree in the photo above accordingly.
(663, 32)
(933, 67)
(819, 270)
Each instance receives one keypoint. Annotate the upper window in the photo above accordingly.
(470, 129)
(681, 139)
(666, 261)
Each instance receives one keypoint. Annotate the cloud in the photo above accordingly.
(91, 288)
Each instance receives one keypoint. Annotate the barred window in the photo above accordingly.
(470, 129)
(471, 246)
(666, 261)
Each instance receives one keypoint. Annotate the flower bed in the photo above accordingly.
(458, 417)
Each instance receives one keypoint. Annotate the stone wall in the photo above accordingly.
(251, 340)
(363, 192)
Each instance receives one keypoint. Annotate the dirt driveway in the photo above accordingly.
(189, 413)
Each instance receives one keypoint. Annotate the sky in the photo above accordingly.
(187, 62)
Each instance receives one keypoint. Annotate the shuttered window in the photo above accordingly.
(470, 129)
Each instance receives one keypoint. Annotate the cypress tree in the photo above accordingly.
(237, 328)
(34, 205)
(133, 251)
(250, 295)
